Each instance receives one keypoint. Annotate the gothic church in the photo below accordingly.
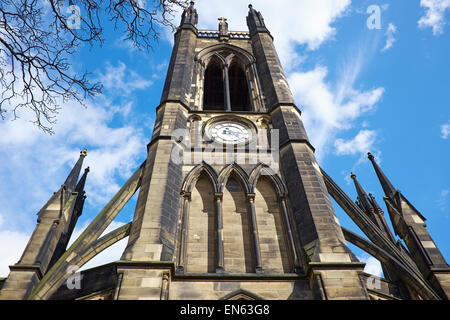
(232, 203)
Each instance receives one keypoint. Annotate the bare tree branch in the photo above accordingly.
(37, 41)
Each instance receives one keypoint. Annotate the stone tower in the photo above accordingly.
(232, 203)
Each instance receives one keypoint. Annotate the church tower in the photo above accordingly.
(232, 203)
(231, 192)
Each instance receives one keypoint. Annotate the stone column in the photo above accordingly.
(220, 251)
(288, 228)
(181, 257)
(226, 84)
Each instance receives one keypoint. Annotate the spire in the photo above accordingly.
(72, 179)
(362, 195)
(73, 218)
(190, 16)
(388, 188)
(80, 185)
(80, 197)
(255, 21)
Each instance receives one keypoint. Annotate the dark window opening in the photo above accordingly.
(213, 94)
(238, 89)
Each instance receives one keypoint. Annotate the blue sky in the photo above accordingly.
(382, 90)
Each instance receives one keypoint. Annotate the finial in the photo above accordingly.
(370, 156)
(83, 152)
(255, 21)
(87, 169)
(352, 175)
(223, 27)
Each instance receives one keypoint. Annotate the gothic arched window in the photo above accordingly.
(213, 95)
(239, 97)
(225, 86)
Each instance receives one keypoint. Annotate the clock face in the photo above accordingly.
(229, 132)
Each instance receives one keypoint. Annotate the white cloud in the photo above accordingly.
(361, 143)
(373, 266)
(122, 80)
(385, 6)
(445, 130)
(442, 200)
(124, 43)
(12, 245)
(435, 15)
(327, 109)
(390, 39)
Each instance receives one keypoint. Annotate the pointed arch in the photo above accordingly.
(277, 256)
(200, 219)
(238, 172)
(239, 256)
(245, 56)
(196, 240)
(241, 294)
(194, 174)
(263, 169)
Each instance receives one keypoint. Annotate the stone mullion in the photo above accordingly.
(220, 268)
(254, 231)
(284, 212)
(226, 84)
(183, 234)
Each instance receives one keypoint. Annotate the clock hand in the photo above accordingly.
(230, 132)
